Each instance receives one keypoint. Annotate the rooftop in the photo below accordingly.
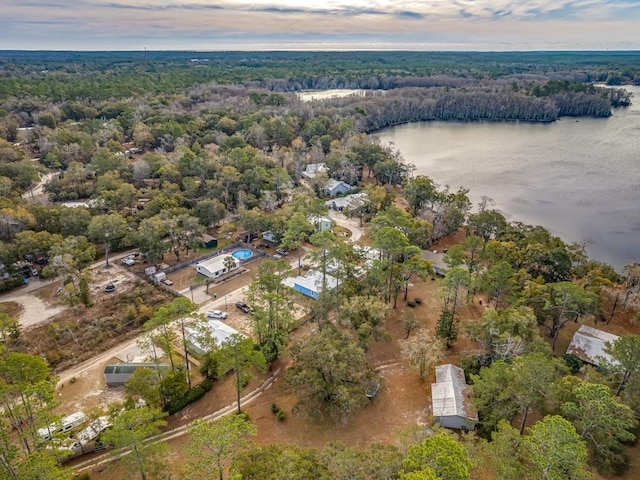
(216, 263)
(205, 333)
(449, 393)
(589, 343)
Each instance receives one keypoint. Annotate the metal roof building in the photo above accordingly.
(588, 344)
(217, 266)
(118, 373)
(450, 399)
(200, 337)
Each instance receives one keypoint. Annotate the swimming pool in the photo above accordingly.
(242, 254)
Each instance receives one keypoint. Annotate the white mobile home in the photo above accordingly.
(204, 335)
(450, 399)
(64, 425)
(217, 266)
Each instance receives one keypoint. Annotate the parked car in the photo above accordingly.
(282, 251)
(128, 261)
(216, 314)
(244, 307)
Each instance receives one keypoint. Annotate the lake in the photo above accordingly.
(579, 178)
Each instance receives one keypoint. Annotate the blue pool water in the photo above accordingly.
(242, 254)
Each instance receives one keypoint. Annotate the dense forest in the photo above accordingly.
(158, 148)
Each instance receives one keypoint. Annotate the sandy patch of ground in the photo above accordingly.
(35, 310)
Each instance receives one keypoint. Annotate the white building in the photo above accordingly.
(217, 266)
(313, 169)
(588, 344)
(321, 223)
(205, 334)
(64, 425)
(450, 399)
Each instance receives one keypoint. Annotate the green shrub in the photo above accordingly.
(573, 362)
(280, 415)
(196, 393)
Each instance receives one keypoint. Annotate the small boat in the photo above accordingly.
(372, 390)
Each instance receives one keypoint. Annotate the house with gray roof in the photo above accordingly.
(588, 344)
(450, 399)
(353, 201)
(334, 187)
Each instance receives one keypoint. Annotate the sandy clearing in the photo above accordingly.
(35, 310)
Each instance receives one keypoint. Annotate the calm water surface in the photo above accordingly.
(578, 178)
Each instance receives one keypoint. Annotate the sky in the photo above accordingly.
(478, 25)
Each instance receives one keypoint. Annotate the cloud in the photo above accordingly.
(460, 24)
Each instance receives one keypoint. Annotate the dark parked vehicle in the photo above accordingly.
(244, 307)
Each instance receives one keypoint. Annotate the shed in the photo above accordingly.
(270, 237)
(202, 335)
(311, 284)
(217, 266)
(117, 374)
(321, 223)
(450, 399)
(209, 241)
(335, 187)
(588, 344)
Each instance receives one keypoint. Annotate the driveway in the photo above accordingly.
(351, 224)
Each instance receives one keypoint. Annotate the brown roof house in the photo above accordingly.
(451, 399)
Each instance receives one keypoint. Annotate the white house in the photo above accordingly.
(335, 187)
(450, 399)
(313, 169)
(202, 336)
(217, 266)
(588, 344)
